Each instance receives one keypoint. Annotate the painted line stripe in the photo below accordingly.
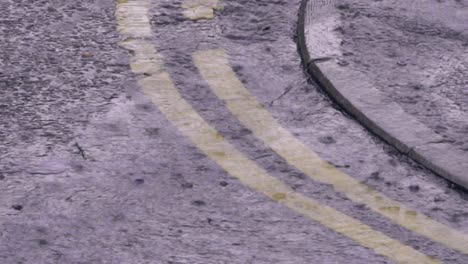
(133, 18)
(200, 9)
(214, 67)
(159, 87)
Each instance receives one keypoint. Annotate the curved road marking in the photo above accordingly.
(158, 86)
(214, 67)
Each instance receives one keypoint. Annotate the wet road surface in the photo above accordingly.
(207, 144)
(416, 54)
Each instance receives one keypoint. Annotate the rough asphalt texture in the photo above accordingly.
(322, 45)
(92, 172)
(416, 52)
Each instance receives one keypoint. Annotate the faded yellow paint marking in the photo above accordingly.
(214, 66)
(158, 86)
(200, 9)
(134, 21)
(160, 89)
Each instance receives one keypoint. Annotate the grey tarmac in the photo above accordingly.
(92, 171)
(398, 67)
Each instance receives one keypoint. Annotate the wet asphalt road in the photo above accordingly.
(416, 54)
(91, 171)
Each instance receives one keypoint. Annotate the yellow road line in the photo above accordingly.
(158, 86)
(160, 89)
(214, 67)
(200, 9)
(134, 21)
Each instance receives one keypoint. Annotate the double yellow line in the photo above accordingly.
(133, 24)
(214, 66)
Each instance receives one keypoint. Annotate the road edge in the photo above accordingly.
(419, 142)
